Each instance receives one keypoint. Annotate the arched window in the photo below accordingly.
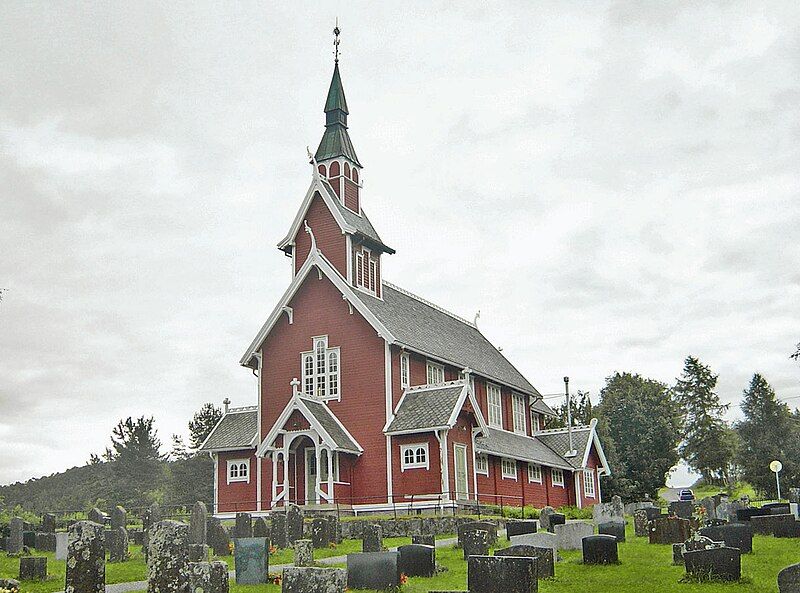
(320, 350)
(242, 470)
(346, 170)
(334, 169)
(355, 174)
(234, 471)
(238, 470)
(408, 457)
(421, 455)
(333, 373)
(322, 170)
(320, 367)
(308, 374)
(414, 456)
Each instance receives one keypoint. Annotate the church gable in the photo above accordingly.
(328, 235)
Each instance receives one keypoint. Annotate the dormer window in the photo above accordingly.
(435, 373)
(366, 271)
(321, 370)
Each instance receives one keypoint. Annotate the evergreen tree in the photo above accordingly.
(768, 432)
(136, 461)
(202, 424)
(707, 445)
(582, 411)
(639, 426)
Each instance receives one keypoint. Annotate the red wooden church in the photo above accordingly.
(371, 397)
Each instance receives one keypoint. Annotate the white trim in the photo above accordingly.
(560, 484)
(414, 449)
(489, 391)
(315, 259)
(485, 457)
(444, 463)
(437, 369)
(216, 481)
(387, 372)
(578, 497)
(238, 463)
(518, 401)
(533, 479)
(405, 358)
(507, 475)
(349, 241)
(326, 374)
(589, 476)
(260, 357)
(474, 468)
(456, 448)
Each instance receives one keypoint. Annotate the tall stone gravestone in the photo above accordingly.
(681, 508)
(118, 548)
(615, 528)
(303, 552)
(62, 539)
(417, 561)
(502, 574)
(15, 538)
(334, 534)
(251, 557)
(669, 530)
(476, 543)
(86, 558)
(294, 523)
(278, 529)
(372, 538)
(119, 518)
(545, 560)
(544, 517)
(642, 518)
(48, 523)
(97, 516)
(198, 524)
(168, 558)
(606, 512)
(320, 533)
(570, 535)
(244, 526)
(217, 537)
(313, 580)
(374, 570)
(789, 579)
(260, 528)
(208, 577)
(33, 568)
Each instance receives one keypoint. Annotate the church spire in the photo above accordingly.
(336, 141)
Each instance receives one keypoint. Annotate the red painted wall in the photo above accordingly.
(594, 463)
(351, 195)
(237, 496)
(327, 233)
(320, 310)
(416, 481)
(461, 433)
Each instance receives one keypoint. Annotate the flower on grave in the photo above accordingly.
(272, 550)
(332, 545)
(230, 547)
(403, 579)
(701, 511)
(274, 578)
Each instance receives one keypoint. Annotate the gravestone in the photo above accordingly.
(9, 584)
(417, 561)
(119, 517)
(86, 558)
(49, 523)
(33, 568)
(776, 508)
(61, 545)
(294, 523)
(502, 574)
(724, 564)
(632, 507)
(486, 526)
(118, 545)
(198, 552)
(767, 524)
(606, 512)
(556, 519)
(787, 529)
(97, 516)
(733, 535)
(569, 535)
(168, 557)
(747, 513)
(726, 510)
(545, 562)
(424, 540)
(681, 508)
(700, 542)
(303, 552)
(334, 534)
(208, 577)
(521, 527)
(313, 580)
(794, 495)
(373, 570)
(641, 522)
(320, 534)
(544, 517)
(709, 507)
(15, 538)
(244, 526)
(677, 554)
(600, 549)
(372, 538)
(614, 528)
(669, 530)
(251, 558)
(789, 579)
(29, 539)
(45, 542)
(198, 524)
(260, 528)
(542, 539)
(217, 537)
(476, 543)
(277, 530)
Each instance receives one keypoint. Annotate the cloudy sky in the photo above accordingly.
(612, 186)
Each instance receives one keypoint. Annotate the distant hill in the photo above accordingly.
(180, 482)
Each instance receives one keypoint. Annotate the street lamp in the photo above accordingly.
(776, 466)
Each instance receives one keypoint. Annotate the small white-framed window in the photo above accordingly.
(509, 467)
(536, 422)
(405, 371)
(366, 271)
(588, 483)
(323, 466)
(518, 408)
(238, 470)
(414, 456)
(535, 473)
(435, 373)
(557, 477)
(482, 464)
(495, 402)
(321, 370)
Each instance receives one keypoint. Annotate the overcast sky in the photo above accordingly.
(614, 187)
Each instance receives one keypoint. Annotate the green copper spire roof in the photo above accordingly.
(336, 141)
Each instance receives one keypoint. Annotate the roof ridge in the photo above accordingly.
(242, 409)
(428, 303)
(431, 386)
(565, 429)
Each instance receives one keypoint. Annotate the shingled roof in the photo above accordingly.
(424, 327)
(558, 441)
(360, 222)
(539, 406)
(518, 446)
(331, 425)
(426, 408)
(236, 430)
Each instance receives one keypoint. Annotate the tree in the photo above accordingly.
(767, 432)
(202, 424)
(640, 428)
(582, 411)
(707, 446)
(136, 461)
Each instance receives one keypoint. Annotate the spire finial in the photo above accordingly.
(336, 32)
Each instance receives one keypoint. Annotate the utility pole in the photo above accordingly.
(572, 452)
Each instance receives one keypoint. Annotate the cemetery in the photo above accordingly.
(117, 552)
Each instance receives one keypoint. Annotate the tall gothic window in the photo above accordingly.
(367, 271)
(321, 370)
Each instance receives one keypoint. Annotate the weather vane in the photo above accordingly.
(336, 32)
